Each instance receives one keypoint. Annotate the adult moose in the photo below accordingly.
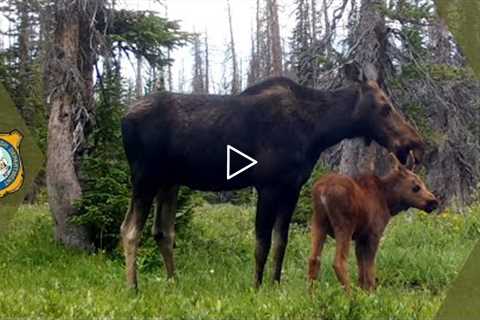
(176, 139)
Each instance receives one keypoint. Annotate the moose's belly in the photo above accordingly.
(209, 170)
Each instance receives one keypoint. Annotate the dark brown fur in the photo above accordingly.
(172, 140)
(359, 209)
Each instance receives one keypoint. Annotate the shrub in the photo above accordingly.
(104, 169)
(105, 173)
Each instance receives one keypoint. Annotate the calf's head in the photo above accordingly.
(378, 119)
(406, 189)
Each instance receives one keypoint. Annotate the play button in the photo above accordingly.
(236, 153)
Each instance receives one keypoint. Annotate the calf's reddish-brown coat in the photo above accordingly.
(359, 209)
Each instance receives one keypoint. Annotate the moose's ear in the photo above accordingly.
(410, 165)
(353, 72)
(370, 72)
(396, 165)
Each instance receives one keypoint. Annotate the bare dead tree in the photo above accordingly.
(70, 69)
(235, 87)
(253, 74)
(260, 65)
(169, 71)
(181, 78)
(169, 57)
(314, 15)
(274, 35)
(207, 65)
(138, 77)
(198, 80)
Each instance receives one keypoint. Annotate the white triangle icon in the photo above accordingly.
(252, 162)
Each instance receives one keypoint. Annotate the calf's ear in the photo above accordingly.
(396, 165)
(410, 165)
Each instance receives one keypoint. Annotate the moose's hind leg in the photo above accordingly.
(131, 232)
(341, 258)
(163, 228)
(319, 235)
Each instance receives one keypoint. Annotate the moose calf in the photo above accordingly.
(359, 209)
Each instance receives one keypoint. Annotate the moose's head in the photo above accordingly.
(406, 189)
(379, 120)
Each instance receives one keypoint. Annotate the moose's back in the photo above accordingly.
(183, 138)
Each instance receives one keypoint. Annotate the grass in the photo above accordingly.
(419, 257)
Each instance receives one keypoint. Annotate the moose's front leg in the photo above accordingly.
(370, 254)
(264, 221)
(285, 206)
(366, 251)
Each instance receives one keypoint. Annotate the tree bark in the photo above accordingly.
(62, 180)
(370, 35)
(138, 80)
(198, 80)
(22, 87)
(276, 44)
(207, 65)
(235, 76)
(313, 9)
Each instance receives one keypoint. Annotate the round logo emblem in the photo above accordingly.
(9, 164)
(11, 169)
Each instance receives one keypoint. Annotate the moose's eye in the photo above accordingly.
(416, 189)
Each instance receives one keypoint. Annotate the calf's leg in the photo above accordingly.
(341, 258)
(369, 260)
(359, 252)
(366, 250)
(163, 228)
(285, 208)
(131, 232)
(319, 235)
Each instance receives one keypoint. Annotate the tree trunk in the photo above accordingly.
(254, 63)
(198, 80)
(62, 180)
(169, 56)
(24, 63)
(207, 65)
(313, 9)
(276, 44)
(138, 82)
(235, 76)
(371, 39)
(169, 72)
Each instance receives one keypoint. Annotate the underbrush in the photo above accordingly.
(418, 258)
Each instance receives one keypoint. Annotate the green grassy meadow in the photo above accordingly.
(419, 256)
